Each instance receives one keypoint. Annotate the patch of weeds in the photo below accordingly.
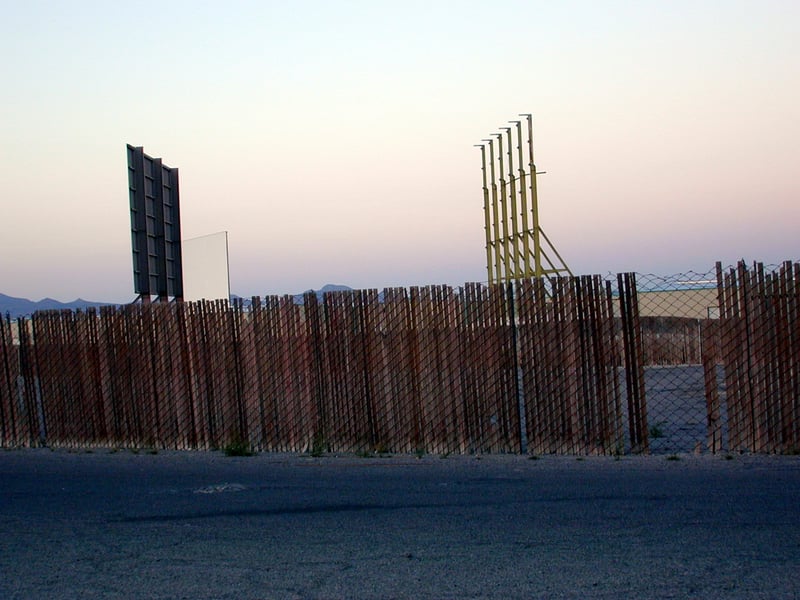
(363, 453)
(445, 455)
(318, 445)
(238, 448)
(656, 431)
(580, 458)
(134, 451)
(152, 451)
(419, 452)
(534, 457)
(88, 451)
(673, 457)
(729, 457)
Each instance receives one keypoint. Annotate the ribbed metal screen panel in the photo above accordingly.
(155, 225)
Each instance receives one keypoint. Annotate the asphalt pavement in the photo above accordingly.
(106, 524)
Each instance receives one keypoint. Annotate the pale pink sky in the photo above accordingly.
(334, 140)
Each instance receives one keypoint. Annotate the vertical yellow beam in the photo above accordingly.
(523, 210)
(507, 275)
(512, 207)
(495, 216)
(515, 210)
(486, 215)
(537, 246)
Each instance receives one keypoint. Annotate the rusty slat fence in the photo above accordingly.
(14, 430)
(696, 362)
(758, 342)
(570, 367)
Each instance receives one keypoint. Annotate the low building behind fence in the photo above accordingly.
(577, 365)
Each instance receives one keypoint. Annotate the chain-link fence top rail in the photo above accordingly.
(581, 365)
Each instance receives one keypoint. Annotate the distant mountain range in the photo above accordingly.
(22, 307)
(329, 287)
(298, 298)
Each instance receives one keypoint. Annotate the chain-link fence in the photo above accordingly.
(673, 312)
(586, 365)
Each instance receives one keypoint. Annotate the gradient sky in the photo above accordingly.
(333, 140)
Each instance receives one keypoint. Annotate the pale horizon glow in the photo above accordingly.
(333, 141)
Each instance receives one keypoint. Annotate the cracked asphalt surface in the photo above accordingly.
(202, 525)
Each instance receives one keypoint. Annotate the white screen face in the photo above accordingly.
(205, 267)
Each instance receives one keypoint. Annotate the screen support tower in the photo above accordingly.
(516, 245)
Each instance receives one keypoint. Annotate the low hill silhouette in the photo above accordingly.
(23, 307)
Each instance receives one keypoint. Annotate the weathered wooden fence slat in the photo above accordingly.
(634, 363)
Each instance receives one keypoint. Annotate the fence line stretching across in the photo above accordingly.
(566, 365)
